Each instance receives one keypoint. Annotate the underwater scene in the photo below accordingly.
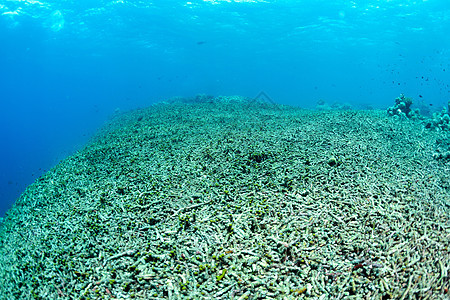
(225, 149)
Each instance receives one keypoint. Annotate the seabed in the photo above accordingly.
(232, 198)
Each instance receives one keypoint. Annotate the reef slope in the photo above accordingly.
(230, 198)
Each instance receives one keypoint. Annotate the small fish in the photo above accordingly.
(201, 42)
(420, 96)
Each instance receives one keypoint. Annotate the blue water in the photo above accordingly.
(65, 66)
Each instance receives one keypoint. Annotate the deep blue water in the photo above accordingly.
(65, 66)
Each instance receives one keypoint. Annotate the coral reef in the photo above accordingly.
(439, 121)
(402, 108)
(233, 200)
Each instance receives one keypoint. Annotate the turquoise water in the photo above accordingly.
(65, 66)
